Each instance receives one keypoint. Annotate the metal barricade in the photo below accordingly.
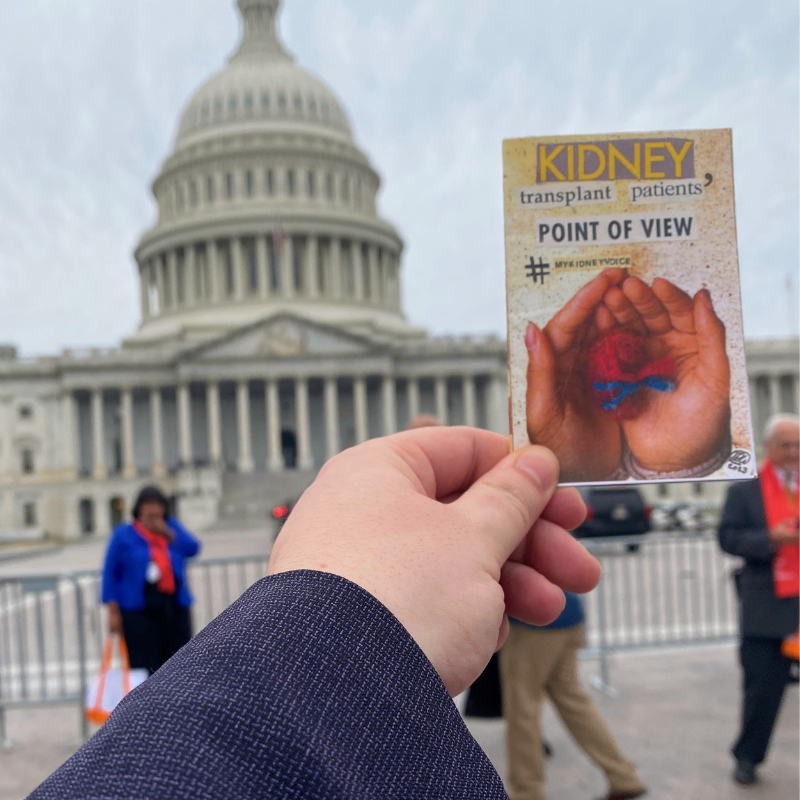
(52, 629)
(657, 590)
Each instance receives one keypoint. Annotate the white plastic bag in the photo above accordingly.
(112, 683)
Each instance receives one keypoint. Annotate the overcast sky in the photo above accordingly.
(91, 91)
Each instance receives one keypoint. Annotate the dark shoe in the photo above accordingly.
(625, 795)
(745, 773)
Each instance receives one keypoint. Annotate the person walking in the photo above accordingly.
(760, 523)
(144, 582)
(539, 661)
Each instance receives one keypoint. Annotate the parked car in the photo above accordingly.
(678, 516)
(614, 511)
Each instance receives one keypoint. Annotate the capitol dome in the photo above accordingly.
(266, 205)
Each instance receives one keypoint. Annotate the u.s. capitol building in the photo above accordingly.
(272, 333)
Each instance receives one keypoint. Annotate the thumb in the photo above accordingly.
(710, 331)
(542, 403)
(504, 503)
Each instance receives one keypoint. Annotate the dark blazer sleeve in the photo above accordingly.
(307, 687)
(743, 526)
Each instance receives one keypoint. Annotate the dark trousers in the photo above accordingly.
(765, 674)
(156, 633)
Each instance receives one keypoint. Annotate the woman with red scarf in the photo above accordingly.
(144, 582)
(760, 524)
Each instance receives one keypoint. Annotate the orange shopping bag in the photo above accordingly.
(790, 648)
(111, 683)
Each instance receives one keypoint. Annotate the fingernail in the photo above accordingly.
(531, 336)
(707, 297)
(541, 466)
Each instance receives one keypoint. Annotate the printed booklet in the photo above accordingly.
(626, 350)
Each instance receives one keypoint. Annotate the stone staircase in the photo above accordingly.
(248, 499)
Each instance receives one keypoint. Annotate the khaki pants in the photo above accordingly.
(536, 662)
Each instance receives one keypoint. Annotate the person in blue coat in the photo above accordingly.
(145, 585)
(332, 678)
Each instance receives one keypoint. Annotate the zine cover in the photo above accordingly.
(626, 349)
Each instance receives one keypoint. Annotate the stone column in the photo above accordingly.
(274, 448)
(159, 469)
(775, 394)
(496, 406)
(261, 265)
(355, 250)
(237, 264)
(336, 268)
(468, 387)
(389, 405)
(312, 252)
(128, 455)
(172, 269)
(287, 265)
(99, 470)
(144, 297)
(332, 417)
(214, 429)
(184, 425)
(412, 387)
(213, 270)
(305, 458)
(70, 431)
(190, 277)
(243, 414)
(360, 408)
(440, 385)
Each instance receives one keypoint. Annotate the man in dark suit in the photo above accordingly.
(768, 614)
(332, 678)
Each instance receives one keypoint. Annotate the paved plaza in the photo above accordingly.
(674, 714)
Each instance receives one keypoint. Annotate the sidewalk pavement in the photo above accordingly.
(675, 715)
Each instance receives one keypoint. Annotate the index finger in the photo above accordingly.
(579, 309)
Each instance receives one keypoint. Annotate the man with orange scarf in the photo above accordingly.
(760, 524)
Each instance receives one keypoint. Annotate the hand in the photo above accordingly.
(162, 529)
(450, 533)
(686, 427)
(114, 619)
(786, 532)
(561, 411)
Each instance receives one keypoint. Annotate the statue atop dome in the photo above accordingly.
(259, 31)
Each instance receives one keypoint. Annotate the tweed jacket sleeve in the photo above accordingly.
(307, 687)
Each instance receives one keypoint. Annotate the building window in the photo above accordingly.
(248, 102)
(297, 268)
(227, 269)
(86, 516)
(210, 193)
(311, 184)
(229, 187)
(180, 197)
(27, 464)
(347, 269)
(290, 185)
(274, 253)
(218, 107)
(201, 277)
(312, 105)
(346, 189)
(282, 102)
(193, 195)
(166, 282)
(324, 108)
(232, 104)
(298, 104)
(25, 412)
(359, 193)
(252, 266)
(663, 489)
(329, 186)
(250, 182)
(270, 182)
(265, 101)
(29, 515)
